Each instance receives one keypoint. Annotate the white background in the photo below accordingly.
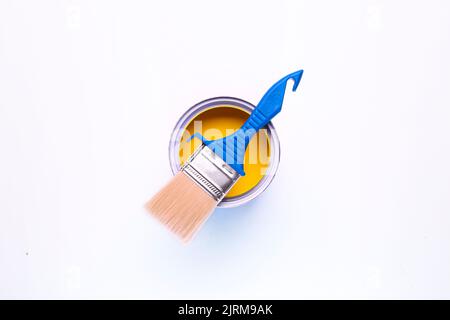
(89, 94)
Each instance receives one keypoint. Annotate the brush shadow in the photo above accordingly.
(228, 225)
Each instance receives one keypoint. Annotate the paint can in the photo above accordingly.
(192, 113)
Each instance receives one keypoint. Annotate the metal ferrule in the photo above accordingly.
(210, 172)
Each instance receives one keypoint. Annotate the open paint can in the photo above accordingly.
(218, 117)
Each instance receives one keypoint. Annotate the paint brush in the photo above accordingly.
(186, 202)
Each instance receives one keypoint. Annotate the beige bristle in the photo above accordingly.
(182, 205)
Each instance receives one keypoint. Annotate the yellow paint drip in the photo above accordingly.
(221, 121)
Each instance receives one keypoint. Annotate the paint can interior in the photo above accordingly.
(220, 116)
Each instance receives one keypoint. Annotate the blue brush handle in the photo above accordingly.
(232, 148)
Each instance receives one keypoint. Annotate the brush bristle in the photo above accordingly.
(182, 205)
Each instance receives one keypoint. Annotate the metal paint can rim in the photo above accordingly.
(192, 112)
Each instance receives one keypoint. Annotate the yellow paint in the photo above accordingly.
(221, 121)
